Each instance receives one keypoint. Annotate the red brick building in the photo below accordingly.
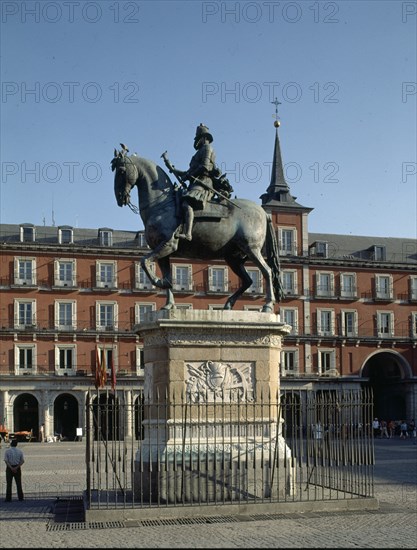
(70, 298)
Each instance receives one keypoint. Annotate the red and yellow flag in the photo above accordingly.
(97, 372)
(113, 374)
(103, 378)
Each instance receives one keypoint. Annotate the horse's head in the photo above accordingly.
(125, 176)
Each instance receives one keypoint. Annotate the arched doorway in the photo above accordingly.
(26, 414)
(387, 372)
(66, 419)
(106, 418)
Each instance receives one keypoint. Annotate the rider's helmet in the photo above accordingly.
(202, 131)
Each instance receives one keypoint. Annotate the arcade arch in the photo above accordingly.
(66, 418)
(387, 372)
(26, 413)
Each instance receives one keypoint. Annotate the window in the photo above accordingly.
(256, 286)
(220, 307)
(183, 306)
(108, 357)
(65, 235)
(105, 237)
(385, 323)
(413, 288)
(142, 310)
(25, 360)
(65, 273)
(321, 249)
(289, 282)
(65, 315)
(325, 322)
(25, 313)
(106, 314)
(24, 271)
(218, 279)
(287, 241)
(347, 285)
(140, 361)
(289, 316)
(106, 274)
(349, 323)
(245, 308)
(325, 284)
(141, 239)
(142, 281)
(289, 362)
(65, 360)
(378, 253)
(414, 324)
(326, 361)
(182, 277)
(27, 233)
(383, 287)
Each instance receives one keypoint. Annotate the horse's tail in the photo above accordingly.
(272, 258)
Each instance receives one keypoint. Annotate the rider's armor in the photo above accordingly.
(205, 179)
(201, 166)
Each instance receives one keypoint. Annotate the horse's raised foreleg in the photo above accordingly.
(238, 267)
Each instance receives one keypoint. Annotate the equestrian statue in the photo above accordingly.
(198, 220)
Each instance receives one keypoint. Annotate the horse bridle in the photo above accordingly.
(132, 206)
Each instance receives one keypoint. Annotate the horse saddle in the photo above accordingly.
(213, 211)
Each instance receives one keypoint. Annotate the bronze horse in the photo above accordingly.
(234, 232)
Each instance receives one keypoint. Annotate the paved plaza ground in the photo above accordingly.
(55, 470)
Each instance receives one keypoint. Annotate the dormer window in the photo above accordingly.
(65, 235)
(140, 235)
(27, 233)
(322, 249)
(105, 237)
(378, 253)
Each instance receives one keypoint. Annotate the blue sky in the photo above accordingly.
(80, 77)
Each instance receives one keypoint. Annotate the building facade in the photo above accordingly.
(70, 299)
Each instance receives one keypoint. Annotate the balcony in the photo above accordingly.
(348, 294)
(183, 287)
(24, 284)
(383, 296)
(324, 292)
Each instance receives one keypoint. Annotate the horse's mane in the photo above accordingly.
(149, 167)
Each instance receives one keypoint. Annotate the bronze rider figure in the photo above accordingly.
(200, 190)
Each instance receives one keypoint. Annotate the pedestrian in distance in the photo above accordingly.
(384, 430)
(391, 428)
(375, 427)
(14, 459)
(42, 433)
(404, 430)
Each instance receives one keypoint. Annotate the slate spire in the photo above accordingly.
(278, 190)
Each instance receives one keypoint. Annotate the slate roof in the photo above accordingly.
(48, 235)
(397, 250)
(344, 247)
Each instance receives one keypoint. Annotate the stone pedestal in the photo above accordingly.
(212, 422)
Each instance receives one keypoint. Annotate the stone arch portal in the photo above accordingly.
(387, 372)
(66, 416)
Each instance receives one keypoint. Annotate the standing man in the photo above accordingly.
(14, 459)
(42, 433)
(200, 175)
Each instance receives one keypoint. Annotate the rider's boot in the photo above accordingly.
(188, 224)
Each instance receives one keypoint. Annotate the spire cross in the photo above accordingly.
(276, 103)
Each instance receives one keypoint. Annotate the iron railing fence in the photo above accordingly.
(304, 446)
